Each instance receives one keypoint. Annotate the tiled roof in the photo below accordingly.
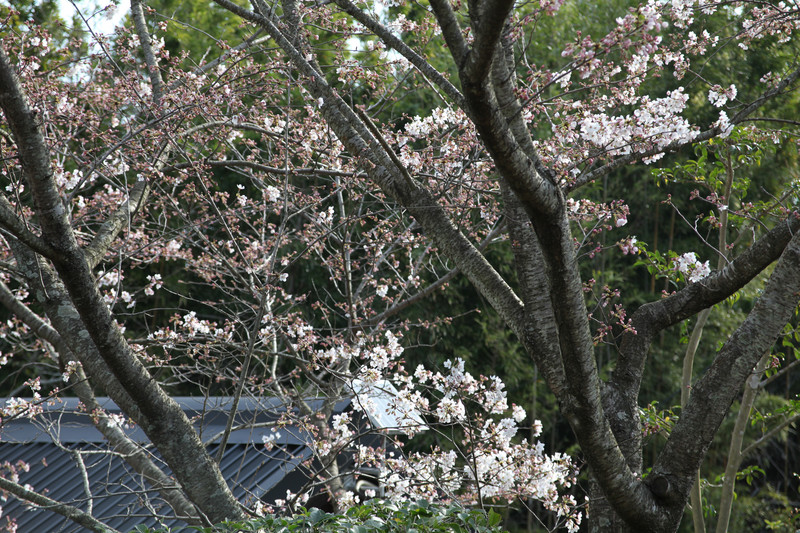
(120, 497)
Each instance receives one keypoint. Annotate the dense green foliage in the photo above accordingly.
(375, 516)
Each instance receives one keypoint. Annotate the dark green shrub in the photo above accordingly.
(373, 517)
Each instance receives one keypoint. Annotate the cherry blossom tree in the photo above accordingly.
(243, 238)
(169, 221)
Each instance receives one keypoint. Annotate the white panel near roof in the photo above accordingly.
(378, 400)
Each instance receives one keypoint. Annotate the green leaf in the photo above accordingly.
(316, 516)
(494, 518)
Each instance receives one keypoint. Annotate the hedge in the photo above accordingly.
(375, 516)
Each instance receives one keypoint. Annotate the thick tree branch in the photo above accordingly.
(538, 194)
(491, 20)
(493, 110)
(504, 82)
(39, 327)
(451, 29)
(584, 404)
(69, 337)
(586, 412)
(34, 155)
(651, 318)
(50, 292)
(509, 153)
(714, 392)
(556, 277)
(36, 163)
(542, 335)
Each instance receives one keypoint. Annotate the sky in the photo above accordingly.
(91, 9)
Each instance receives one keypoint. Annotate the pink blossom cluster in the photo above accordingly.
(656, 123)
(491, 462)
(688, 265)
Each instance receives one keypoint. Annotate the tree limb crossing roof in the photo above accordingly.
(62, 442)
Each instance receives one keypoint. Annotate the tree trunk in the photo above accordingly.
(624, 416)
(600, 515)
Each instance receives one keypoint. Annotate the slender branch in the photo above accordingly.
(735, 455)
(243, 375)
(140, 191)
(411, 300)
(403, 49)
(420, 203)
(138, 194)
(704, 136)
(49, 504)
(373, 129)
(39, 327)
(115, 223)
(147, 50)
(773, 119)
(87, 488)
(17, 227)
(697, 333)
(769, 435)
(266, 168)
(766, 96)
(428, 290)
(783, 371)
